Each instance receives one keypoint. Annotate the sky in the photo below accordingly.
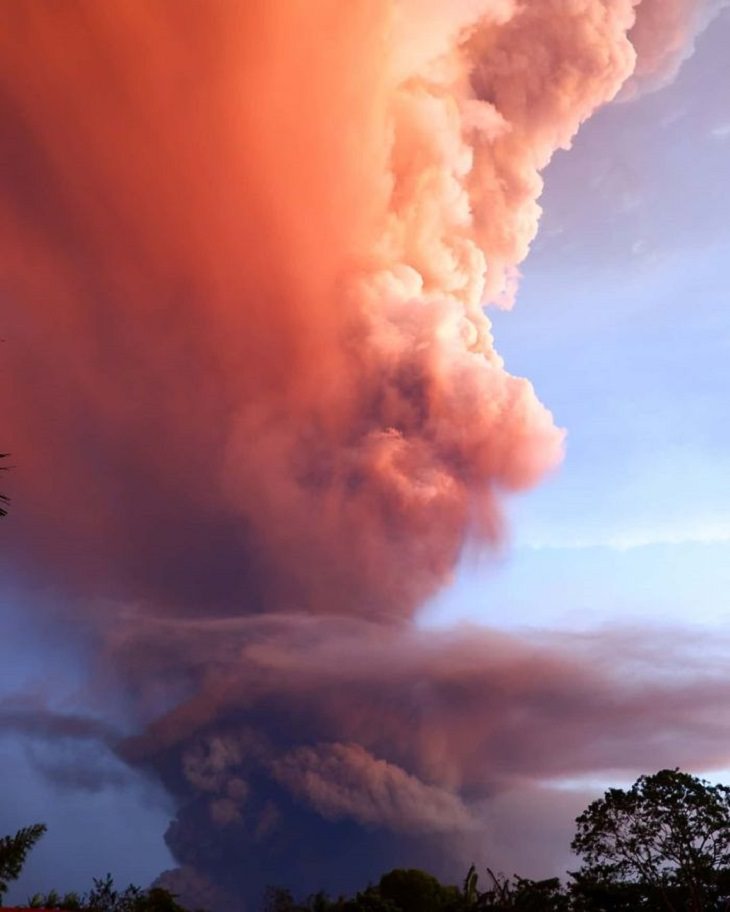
(623, 326)
(616, 561)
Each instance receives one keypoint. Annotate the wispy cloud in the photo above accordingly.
(710, 532)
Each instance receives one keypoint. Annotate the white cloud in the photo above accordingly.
(711, 531)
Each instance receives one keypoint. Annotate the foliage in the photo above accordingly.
(104, 897)
(54, 900)
(469, 890)
(518, 893)
(400, 890)
(13, 852)
(370, 900)
(4, 499)
(589, 895)
(524, 895)
(661, 846)
(669, 834)
(277, 899)
(412, 890)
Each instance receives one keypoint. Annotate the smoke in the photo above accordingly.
(664, 36)
(345, 781)
(322, 750)
(257, 407)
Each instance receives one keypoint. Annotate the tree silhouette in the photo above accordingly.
(668, 835)
(105, 897)
(13, 852)
(4, 499)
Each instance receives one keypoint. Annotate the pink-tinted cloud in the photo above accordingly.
(345, 780)
(256, 405)
(664, 35)
(463, 710)
(245, 287)
(418, 733)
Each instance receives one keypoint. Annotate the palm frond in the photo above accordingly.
(4, 499)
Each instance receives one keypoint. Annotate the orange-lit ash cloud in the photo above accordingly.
(246, 249)
(266, 235)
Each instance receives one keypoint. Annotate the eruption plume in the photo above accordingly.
(255, 399)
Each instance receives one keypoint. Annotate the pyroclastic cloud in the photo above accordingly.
(246, 251)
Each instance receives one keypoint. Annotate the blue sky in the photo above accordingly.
(641, 505)
(117, 823)
(622, 325)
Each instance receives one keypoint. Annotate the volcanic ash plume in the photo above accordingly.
(245, 253)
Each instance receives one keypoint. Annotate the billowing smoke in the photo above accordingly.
(258, 411)
(663, 36)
